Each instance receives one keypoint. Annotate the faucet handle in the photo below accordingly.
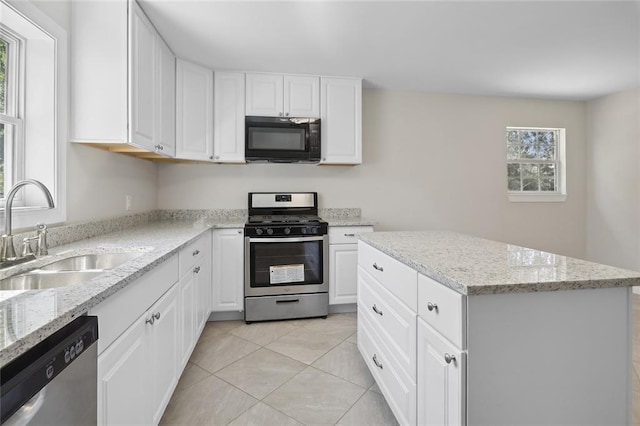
(26, 246)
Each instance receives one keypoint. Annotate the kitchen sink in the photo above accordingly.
(87, 262)
(37, 280)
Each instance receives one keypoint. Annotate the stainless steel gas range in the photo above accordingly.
(286, 253)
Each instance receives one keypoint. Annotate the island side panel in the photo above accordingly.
(560, 357)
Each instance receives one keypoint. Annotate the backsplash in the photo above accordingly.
(69, 233)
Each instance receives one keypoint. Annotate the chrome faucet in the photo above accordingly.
(7, 250)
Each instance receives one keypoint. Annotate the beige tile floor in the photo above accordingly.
(294, 372)
(278, 373)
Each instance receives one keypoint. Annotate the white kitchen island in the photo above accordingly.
(462, 330)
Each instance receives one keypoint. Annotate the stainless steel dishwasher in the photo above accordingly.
(55, 382)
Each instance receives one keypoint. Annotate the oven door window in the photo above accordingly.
(277, 139)
(286, 263)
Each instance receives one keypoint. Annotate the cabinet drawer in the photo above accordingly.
(192, 253)
(392, 319)
(398, 389)
(346, 234)
(448, 310)
(397, 278)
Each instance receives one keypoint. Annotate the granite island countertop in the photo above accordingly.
(27, 317)
(476, 266)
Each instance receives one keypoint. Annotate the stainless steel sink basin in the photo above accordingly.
(87, 262)
(38, 280)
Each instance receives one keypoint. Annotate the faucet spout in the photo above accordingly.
(7, 251)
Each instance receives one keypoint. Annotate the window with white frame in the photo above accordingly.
(11, 121)
(536, 164)
(33, 111)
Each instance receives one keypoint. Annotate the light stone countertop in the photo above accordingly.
(28, 317)
(348, 221)
(476, 266)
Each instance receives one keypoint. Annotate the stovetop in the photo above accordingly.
(276, 219)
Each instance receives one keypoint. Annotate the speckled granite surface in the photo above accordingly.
(344, 217)
(476, 266)
(30, 316)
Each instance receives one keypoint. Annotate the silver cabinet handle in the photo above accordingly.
(349, 235)
(196, 270)
(151, 320)
(376, 310)
(239, 231)
(197, 252)
(157, 315)
(376, 362)
(378, 268)
(448, 358)
(432, 306)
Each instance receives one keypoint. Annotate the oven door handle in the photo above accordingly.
(285, 240)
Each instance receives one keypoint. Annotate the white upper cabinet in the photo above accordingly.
(194, 112)
(341, 120)
(121, 91)
(166, 99)
(277, 95)
(143, 80)
(228, 119)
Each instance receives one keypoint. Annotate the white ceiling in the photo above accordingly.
(573, 50)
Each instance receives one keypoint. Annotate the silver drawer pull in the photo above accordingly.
(376, 362)
(376, 310)
(196, 269)
(157, 315)
(432, 307)
(197, 252)
(378, 268)
(448, 358)
(151, 320)
(349, 235)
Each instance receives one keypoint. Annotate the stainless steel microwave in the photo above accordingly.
(282, 139)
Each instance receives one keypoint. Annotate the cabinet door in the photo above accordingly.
(441, 379)
(166, 90)
(229, 97)
(341, 115)
(163, 351)
(343, 268)
(228, 270)
(203, 289)
(301, 96)
(123, 374)
(187, 315)
(194, 112)
(143, 83)
(264, 95)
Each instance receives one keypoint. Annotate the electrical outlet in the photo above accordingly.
(128, 202)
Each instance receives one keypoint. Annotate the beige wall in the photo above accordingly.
(430, 161)
(613, 170)
(98, 181)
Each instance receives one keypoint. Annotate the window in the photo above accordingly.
(535, 164)
(33, 111)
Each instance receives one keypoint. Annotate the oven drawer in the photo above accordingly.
(391, 318)
(346, 234)
(265, 308)
(397, 278)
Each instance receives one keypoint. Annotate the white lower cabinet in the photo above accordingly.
(440, 380)
(147, 333)
(343, 263)
(228, 270)
(138, 372)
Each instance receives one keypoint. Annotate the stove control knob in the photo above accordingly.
(304, 229)
(287, 231)
(269, 231)
(259, 231)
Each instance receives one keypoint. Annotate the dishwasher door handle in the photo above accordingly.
(28, 410)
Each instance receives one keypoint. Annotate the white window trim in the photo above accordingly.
(27, 217)
(544, 196)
